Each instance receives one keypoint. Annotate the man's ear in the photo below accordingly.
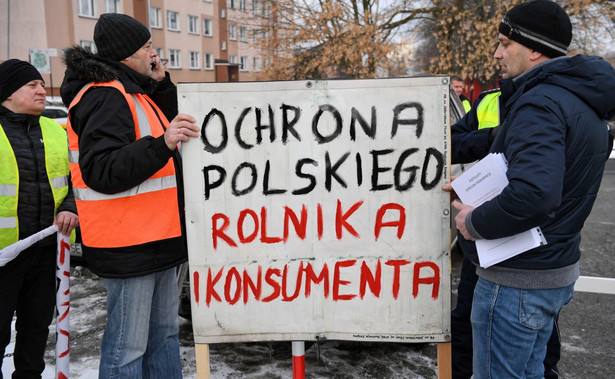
(537, 56)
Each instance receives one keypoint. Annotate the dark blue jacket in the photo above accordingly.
(555, 139)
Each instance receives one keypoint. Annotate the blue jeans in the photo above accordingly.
(461, 329)
(511, 327)
(141, 337)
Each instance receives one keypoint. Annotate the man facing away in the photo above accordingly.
(34, 194)
(555, 140)
(127, 179)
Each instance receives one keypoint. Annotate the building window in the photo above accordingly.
(207, 1)
(174, 59)
(193, 25)
(222, 13)
(155, 17)
(242, 5)
(243, 34)
(159, 52)
(88, 46)
(243, 63)
(87, 7)
(113, 6)
(195, 62)
(208, 61)
(232, 59)
(207, 30)
(223, 46)
(255, 7)
(256, 64)
(232, 32)
(172, 20)
(255, 35)
(230, 4)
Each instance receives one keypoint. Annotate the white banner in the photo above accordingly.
(10, 252)
(315, 209)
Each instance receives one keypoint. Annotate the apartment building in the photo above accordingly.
(202, 40)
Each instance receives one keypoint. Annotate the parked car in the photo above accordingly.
(59, 113)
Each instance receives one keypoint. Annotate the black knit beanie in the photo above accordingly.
(14, 74)
(540, 25)
(118, 36)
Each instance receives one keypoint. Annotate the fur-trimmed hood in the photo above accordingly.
(83, 67)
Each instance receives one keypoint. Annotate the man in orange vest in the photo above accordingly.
(126, 174)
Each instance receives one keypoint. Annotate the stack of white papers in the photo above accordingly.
(482, 182)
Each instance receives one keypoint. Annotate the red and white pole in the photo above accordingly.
(298, 360)
(63, 307)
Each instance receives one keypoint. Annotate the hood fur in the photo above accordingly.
(83, 67)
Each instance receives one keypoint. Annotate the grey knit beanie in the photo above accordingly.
(118, 36)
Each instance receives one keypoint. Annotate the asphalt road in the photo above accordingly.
(587, 323)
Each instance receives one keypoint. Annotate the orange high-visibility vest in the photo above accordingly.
(145, 213)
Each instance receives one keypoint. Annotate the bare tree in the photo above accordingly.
(465, 33)
(332, 38)
(365, 39)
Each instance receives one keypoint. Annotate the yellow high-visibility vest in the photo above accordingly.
(466, 105)
(56, 164)
(488, 110)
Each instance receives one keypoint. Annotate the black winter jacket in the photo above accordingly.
(555, 140)
(35, 210)
(113, 160)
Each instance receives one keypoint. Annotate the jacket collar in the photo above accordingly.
(18, 118)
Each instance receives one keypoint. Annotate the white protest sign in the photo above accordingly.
(315, 209)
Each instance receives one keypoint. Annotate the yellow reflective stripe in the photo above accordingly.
(8, 190)
(150, 185)
(8, 222)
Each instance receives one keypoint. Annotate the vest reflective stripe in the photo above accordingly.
(8, 222)
(488, 111)
(56, 164)
(145, 213)
(151, 185)
(59, 182)
(8, 190)
(144, 128)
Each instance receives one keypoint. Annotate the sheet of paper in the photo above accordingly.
(492, 252)
(482, 182)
